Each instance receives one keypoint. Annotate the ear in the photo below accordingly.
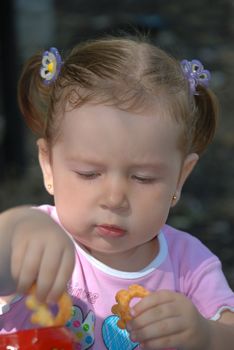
(45, 164)
(189, 163)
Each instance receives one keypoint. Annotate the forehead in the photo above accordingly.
(99, 129)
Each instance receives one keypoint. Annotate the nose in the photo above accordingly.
(115, 195)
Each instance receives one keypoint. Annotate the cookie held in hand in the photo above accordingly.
(123, 298)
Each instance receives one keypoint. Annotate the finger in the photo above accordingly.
(157, 330)
(153, 299)
(63, 275)
(174, 341)
(155, 314)
(29, 267)
(49, 267)
(17, 258)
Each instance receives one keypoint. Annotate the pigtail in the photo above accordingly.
(205, 117)
(34, 96)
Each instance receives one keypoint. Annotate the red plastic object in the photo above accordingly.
(46, 338)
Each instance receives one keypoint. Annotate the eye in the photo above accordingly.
(144, 179)
(87, 175)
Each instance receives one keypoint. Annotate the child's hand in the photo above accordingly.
(38, 251)
(43, 253)
(168, 319)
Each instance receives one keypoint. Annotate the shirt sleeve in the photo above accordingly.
(208, 289)
(199, 273)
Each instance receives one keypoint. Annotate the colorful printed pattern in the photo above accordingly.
(114, 337)
(82, 328)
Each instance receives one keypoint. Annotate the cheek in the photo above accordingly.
(71, 202)
(158, 198)
(66, 186)
(155, 208)
(73, 217)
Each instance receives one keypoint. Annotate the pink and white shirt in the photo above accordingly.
(183, 264)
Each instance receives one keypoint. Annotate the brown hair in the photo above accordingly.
(129, 73)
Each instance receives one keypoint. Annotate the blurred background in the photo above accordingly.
(202, 29)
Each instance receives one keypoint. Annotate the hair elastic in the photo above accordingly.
(51, 65)
(195, 74)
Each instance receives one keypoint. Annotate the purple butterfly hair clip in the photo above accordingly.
(51, 65)
(195, 74)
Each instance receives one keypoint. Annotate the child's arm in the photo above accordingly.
(168, 319)
(222, 336)
(33, 248)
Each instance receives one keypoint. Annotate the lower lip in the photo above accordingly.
(108, 231)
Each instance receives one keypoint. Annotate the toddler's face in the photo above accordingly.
(114, 174)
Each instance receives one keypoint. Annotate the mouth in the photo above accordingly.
(106, 230)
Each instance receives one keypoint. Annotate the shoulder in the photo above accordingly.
(187, 249)
(181, 239)
(46, 208)
(50, 210)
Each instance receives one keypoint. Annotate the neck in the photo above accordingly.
(132, 260)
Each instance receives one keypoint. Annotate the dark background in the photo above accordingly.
(202, 29)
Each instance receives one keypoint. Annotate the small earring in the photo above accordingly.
(49, 186)
(174, 197)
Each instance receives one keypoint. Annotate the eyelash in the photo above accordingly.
(144, 180)
(88, 176)
(92, 176)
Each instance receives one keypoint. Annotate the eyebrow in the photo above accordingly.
(135, 165)
(80, 159)
(153, 165)
(94, 159)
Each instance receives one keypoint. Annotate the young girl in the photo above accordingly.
(121, 125)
